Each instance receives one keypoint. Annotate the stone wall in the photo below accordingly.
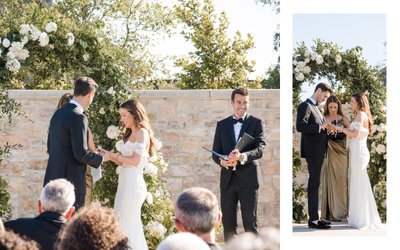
(183, 120)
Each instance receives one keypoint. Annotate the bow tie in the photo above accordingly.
(240, 120)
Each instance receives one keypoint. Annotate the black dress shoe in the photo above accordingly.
(319, 225)
(325, 222)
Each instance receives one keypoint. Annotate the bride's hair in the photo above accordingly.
(333, 99)
(363, 105)
(141, 121)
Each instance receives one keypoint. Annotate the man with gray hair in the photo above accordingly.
(182, 241)
(197, 211)
(55, 207)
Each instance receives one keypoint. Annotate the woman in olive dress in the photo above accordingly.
(334, 177)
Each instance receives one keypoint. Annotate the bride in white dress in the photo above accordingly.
(363, 213)
(131, 193)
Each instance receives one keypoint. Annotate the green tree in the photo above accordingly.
(217, 60)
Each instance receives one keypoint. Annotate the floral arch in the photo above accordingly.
(348, 72)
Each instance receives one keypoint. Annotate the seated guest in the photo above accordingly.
(12, 241)
(197, 211)
(92, 227)
(183, 241)
(55, 207)
(268, 239)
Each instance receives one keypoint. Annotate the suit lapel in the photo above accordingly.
(245, 125)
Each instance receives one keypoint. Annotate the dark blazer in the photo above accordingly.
(67, 148)
(43, 229)
(308, 122)
(224, 143)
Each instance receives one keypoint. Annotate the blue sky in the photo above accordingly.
(346, 30)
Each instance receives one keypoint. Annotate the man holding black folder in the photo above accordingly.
(239, 178)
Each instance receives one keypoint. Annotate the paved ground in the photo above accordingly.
(338, 229)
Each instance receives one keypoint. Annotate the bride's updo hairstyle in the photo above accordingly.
(141, 119)
(363, 105)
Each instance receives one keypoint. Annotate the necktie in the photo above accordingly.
(240, 120)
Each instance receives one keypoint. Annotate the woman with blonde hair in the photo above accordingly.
(363, 212)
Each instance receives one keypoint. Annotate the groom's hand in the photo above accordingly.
(228, 163)
(234, 155)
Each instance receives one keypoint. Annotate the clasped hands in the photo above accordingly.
(107, 155)
(233, 159)
(331, 128)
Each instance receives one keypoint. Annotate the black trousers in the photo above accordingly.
(314, 165)
(79, 201)
(230, 196)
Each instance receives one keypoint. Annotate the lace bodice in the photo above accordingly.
(355, 125)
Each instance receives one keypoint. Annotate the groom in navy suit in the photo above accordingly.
(67, 141)
(310, 122)
(239, 178)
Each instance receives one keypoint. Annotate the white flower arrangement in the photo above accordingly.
(24, 29)
(326, 52)
(6, 43)
(156, 229)
(319, 59)
(35, 32)
(150, 169)
(17, 51)
(380, 149)
(51, 27)
(111, 91)
(299, 77)
(113, 132)
(118, 145)
(13, 65)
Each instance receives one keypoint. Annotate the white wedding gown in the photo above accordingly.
(130, 196)
(363, 213)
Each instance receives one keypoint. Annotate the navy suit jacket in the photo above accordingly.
(67, 148)
(313, 139)
(43, 229)
(224, 143)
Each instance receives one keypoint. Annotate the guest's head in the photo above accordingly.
(183, 241)
(197, 211)
(92, 227)
(240, 101)
(333, 106)
(267, 240)
(359, 102)
(57, 196)
(65, 98)
(322, 92)
(12, 241)
(84, 90)
(133, 116)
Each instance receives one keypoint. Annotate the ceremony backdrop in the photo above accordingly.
(184, 121)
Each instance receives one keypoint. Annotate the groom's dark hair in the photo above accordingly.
(240, 91)
(84, 85)
(324, 87)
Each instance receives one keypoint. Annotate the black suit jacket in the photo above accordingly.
(224, 143)
(308, 122)
(43, 229)
(67, 148)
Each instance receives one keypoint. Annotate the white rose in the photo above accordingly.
(10, 55)
(112, 132)
(118, 145)
(384, 156)
(70, 39)
(35, 32)
(86, 57)
(13, 65)
(158, 144)
(102, 111)
(373, 129)
(306, 70)
(43, 39)
(338, 59)
(294, 62)
(381, 149)
(299, 77)
(326, 52)
(319, 59)
(307, 53)
(110, 91)
(153, 158)
(6, 43)
(25, 40)
(24, 29)
(149, 198)
(150, 169)
(314, 55)
(383, 204)
(156, 229)
(381, 127)
(350, 71)
(51, 27)
(307, 60)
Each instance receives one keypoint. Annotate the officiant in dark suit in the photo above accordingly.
(310, 122)
(239, 178)
(67, 141)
